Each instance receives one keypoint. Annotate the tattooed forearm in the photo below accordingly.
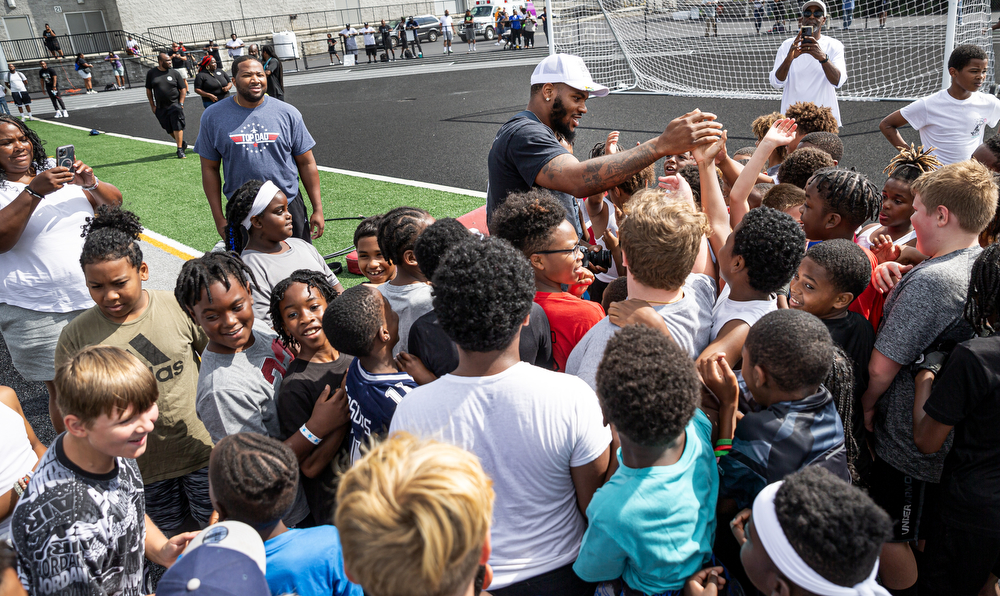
(609, 171)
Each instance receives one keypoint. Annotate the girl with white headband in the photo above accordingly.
(259, 228)
(812, 534)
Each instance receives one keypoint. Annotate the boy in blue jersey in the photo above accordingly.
(361, 323)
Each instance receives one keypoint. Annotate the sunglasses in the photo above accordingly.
(812, 13)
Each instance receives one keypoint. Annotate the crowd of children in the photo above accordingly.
(760, 373)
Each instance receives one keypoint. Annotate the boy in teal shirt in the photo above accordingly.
(652, 524)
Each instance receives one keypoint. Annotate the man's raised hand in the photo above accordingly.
(687, 132)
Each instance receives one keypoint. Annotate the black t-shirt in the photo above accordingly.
(301, 387)
(48, 76)
(440, 355)
(386, 31)
(275, 80)
(854, 335)
(166, 86)
(212, 82)
(177, 58)
(520, 150)
(966, 395)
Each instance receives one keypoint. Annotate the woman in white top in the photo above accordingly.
(42, 208)
(20, 451)
(897, 201)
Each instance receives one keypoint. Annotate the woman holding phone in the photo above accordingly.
(42, 288)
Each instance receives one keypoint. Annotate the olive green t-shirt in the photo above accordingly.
(166, 340)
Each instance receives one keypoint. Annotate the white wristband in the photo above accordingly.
(309, 436)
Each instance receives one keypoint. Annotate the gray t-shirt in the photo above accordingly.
(924, 309)
(689, 320)
(269, 269)
(254, 144)
(410, 302)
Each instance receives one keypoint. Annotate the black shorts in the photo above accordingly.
(956, 561)
(21, 98)
(902, 496)
(371, 50)
(171, 118)
(331, 49)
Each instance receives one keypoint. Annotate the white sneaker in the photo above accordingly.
(65, 113)
(30, 117)
(22, 118)
(58, 114)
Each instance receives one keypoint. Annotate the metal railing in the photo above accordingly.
(328, 20)
(98, 42)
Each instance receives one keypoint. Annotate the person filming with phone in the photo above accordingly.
(43, 204)
(810, 66)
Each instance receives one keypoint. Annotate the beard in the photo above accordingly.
(558, 119)
(246, 94)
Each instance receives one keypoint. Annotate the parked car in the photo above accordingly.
(428, 28)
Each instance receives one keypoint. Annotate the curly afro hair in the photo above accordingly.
(801, 164)
(762, 124)
(527, 220)
(616, 291)
(483, 290)
(254, 478)
(647, 385)
(368, 228)
(352, 321)
(827, 141)
(848, 193)
(993, 144)
(398, 231)
(836, 528)
(793, 346)
(313, 280)
(812, 118)
(111, 234)
(770, 242)
(845, 263)
(965, 53)
(435, 242)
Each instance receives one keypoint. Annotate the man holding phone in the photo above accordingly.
(810, 66)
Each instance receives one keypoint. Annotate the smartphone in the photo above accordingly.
(66, 156)
(807, 31)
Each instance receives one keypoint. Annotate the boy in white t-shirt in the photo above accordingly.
(546, 472)
(953, 120)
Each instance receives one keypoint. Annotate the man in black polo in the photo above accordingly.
(166, 90)
(526, 152)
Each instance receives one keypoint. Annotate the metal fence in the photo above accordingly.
(328, 20)
(99, 42)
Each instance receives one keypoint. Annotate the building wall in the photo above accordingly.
(136, 16)
(40, 12)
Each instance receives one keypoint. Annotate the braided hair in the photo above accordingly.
(197, 275)
(840, 382)
(983, 299)
(112, 234)
(848, 193)
(254, 478)
(312, 279)
(991, 233)
(39, 161)
(398, 231)
(911, 163)
(237, 209)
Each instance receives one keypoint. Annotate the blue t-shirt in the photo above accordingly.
(372, 399)
(308, 562)
(254, 144)
(654, 527)
(515, 22)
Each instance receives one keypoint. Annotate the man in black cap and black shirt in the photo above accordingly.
(166, 90)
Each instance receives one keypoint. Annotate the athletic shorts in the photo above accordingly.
(168, 502)
(448, 35)
(84, 74)
(902, 496)
(21, 98)
(171, 118)
(371, 50)
(31, 338)
(120, 71)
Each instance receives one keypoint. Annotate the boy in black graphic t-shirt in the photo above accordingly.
(81, 527)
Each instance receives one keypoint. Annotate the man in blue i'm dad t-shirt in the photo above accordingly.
(256, 137)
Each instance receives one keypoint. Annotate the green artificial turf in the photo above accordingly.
(166, 194)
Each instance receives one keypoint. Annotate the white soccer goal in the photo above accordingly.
(691, 47)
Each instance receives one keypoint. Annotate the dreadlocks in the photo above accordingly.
(849, 193)
(311, 279)
(984, 286)
(39, 161)
(237, 209)
(840, 383)
(911, 162)
(198, 274)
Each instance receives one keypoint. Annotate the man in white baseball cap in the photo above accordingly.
(527, 153)
(810, 66)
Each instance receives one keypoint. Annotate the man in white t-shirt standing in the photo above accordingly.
(539, 434)
(14, 81)
(447, 32)
(810, 67)
(953, 120)
(235, 46)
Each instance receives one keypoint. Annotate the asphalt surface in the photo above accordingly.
(435, 125)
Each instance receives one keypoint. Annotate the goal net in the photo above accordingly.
(895, 49)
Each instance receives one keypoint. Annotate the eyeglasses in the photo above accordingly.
(812, 13)
(576, 249)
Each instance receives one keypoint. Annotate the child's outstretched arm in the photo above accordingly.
(712, 202)
(782, 132)
(721, 380)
